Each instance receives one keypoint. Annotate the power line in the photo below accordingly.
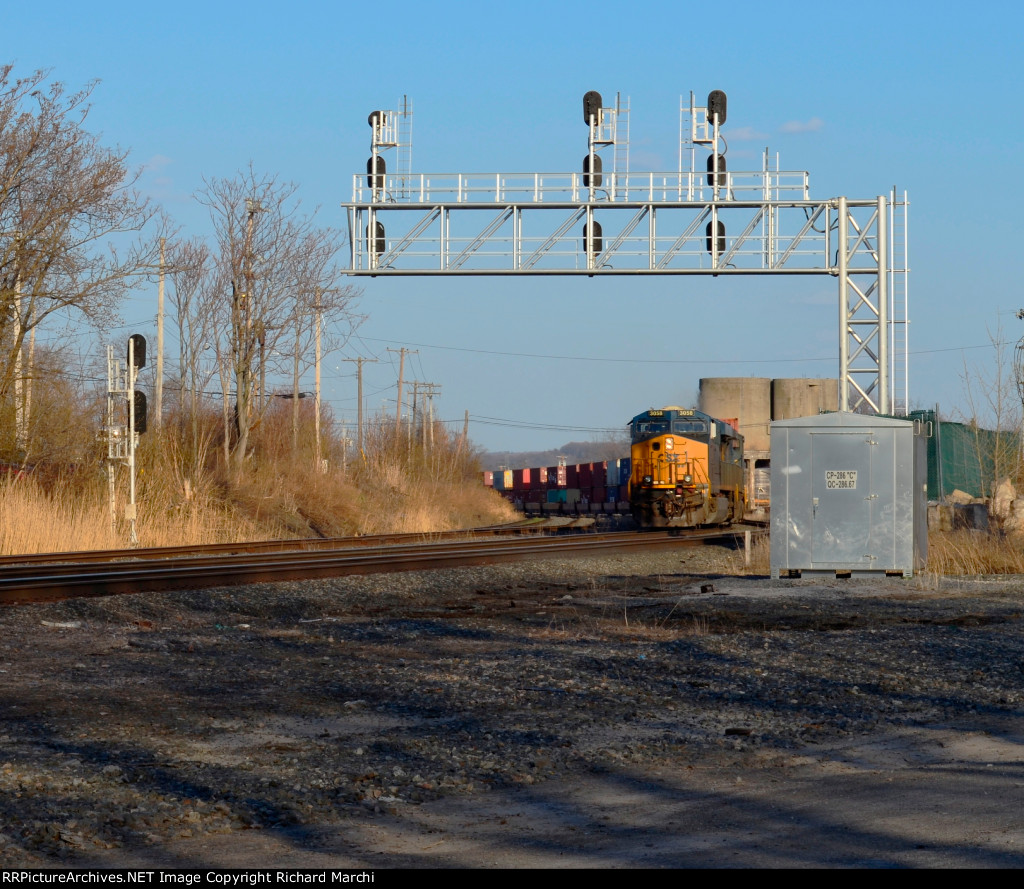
(522, 424)
(701, 361)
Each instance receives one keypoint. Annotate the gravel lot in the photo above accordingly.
(643, 710)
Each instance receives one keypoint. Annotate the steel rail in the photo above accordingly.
(260, 546)
(150, 575)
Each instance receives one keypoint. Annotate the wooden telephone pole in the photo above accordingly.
(401, 370)
(359, 376)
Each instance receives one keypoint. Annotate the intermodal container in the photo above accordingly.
(488, 479)
(564, 495)
(599, 473)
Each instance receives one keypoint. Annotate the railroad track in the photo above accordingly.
(51, 580)
(268, 546)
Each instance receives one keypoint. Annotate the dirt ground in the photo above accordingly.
(941, 797)
(646, 713)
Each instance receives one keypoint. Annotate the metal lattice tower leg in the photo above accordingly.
(899, 321)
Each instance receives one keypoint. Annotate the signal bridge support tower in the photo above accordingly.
(713, 221)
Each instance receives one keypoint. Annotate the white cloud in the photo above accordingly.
(745, 134)
(802, 126)
(157, 162)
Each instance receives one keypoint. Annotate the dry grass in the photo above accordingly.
(186, 496)
(34, 521)
(957, 553)
(661, 627)
(950, 554)
(760, 557)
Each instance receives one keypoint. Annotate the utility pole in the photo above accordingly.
(30, 376)
(158, 393)
(401, 369)
(464, 440)
(261, 339)
(295, 387)
(20, 438)
(345, 442)
(242, 334)
(22, 379)
(318, 308)
(415, 410)
(429, 391)
(359, 376)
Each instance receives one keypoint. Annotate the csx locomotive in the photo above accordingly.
(687, 469)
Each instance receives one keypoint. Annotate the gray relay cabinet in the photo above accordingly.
(849, 495)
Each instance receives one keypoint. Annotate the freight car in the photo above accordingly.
(687, 469)
(566, 489)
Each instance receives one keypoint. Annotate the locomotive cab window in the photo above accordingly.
(690, 427)
(644, 429)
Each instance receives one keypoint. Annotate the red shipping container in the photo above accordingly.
(571, 477)
(599, 473)
(597, 494)
(489, 479)
(585, 475)
(520, 479)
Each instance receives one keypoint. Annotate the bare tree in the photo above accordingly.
(65, 200)
(275, 264)
(193, 294)
(992, 400)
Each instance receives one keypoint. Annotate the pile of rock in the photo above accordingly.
(1008, 508)
(1004, 510)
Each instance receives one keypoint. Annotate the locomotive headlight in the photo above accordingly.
(687, 479)
(648, 480)
(669, 443)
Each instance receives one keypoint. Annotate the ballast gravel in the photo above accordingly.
(136, 722)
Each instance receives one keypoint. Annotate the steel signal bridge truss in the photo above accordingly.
(686, 222)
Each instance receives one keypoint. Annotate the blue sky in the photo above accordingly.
(924, 97)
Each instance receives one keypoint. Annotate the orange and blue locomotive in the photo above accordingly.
(687, 469)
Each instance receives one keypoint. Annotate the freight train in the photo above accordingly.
(685, 470)
(566, 489)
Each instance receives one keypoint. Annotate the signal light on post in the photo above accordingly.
(375, 172)
(717, 106)
(140, 408)
(721, 238)
(377, 243)
(720, 180)
(137, 350)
